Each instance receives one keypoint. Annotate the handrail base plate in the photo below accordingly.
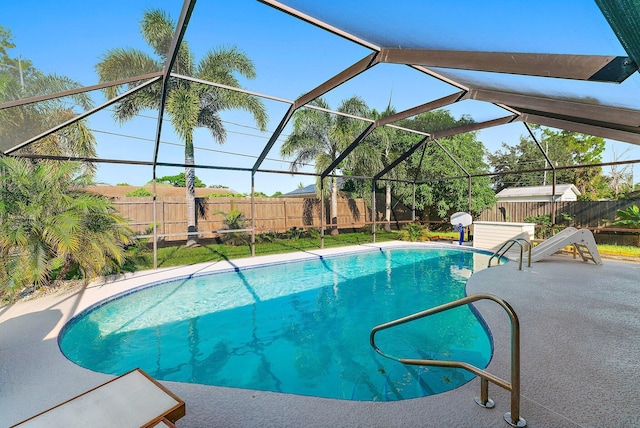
(490, 404)
(521, 423)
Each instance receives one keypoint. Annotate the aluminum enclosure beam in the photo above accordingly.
(474, 127)
(31, 100)
(603, 130)
(441, 102)
(81, 116)
(401, 158)
(347, 74)
(172, 54)
(577, 67)
(563, 107)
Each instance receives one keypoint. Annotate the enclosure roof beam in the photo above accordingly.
(82, 116)
(345, 75)
(348, 150)
(401, 158)
(604, 130)
(474, 127)
(563, 107)
(599, 68)
(75, 91)
(452, 157)
(441, 102)
(414, 111)
(544, 153)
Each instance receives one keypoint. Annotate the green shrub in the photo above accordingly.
(225, 195)
(313, 233)
(234, 220)
(414, 232)
(629, 217)
(140, 192)
(544, 220)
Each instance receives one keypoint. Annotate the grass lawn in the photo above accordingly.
(618, 250)
(179, 255)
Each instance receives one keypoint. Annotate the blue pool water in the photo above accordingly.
(300, 328)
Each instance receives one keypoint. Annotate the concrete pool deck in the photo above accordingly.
(580, 353)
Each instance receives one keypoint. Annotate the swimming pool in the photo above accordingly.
(298, 327)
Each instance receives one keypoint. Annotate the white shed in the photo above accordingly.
(564, 192)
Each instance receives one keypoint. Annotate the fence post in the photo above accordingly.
(284, 203)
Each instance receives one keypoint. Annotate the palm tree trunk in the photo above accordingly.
(387, 208)
(334, 207)
(192, 240)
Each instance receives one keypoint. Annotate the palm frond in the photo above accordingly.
(219, 65)
(119, 64)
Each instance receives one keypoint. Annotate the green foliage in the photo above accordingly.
(415, 232)
(234, 220)
(179, 255)
(544, 220)
(320, 137)
(276, 194)
(293, 234)
(189, 105)
(564, 148)
(140, 192)
(226, 195)
(439, 199)
(541, 220)
(49, 224)
(629, 217)
(179, 180)
(122, 184)
(19, 79)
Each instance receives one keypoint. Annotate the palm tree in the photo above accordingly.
(47, 222)
(189, 104)
(21, 123)
(384, 152)
(321, 137)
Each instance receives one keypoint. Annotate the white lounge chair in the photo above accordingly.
(131, 400)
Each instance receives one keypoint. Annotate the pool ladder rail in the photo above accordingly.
(513, 417)
(506, 246)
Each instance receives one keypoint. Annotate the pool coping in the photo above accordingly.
(35, 375)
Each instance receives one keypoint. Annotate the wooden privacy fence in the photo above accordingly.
(271, 214)
(582, 213)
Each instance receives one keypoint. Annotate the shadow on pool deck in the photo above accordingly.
(580, 355)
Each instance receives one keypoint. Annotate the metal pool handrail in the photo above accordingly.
(510, 242)
(513, 417)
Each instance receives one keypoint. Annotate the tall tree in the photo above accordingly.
(441, 197)
(47, 221)
(321, 137)
(20, 79)
(375, 153)
(564, 148)
(189, 105)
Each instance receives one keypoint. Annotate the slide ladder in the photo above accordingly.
(582, 240)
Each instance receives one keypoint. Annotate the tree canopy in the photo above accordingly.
(180, 180)
(20, 79)
(189, 104)
(440, 198)
(564, 148)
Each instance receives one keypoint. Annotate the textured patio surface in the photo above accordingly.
(580, 334)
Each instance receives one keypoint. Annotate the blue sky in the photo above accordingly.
(292, 57)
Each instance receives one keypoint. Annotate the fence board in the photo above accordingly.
(581, 213)
(271, 214)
